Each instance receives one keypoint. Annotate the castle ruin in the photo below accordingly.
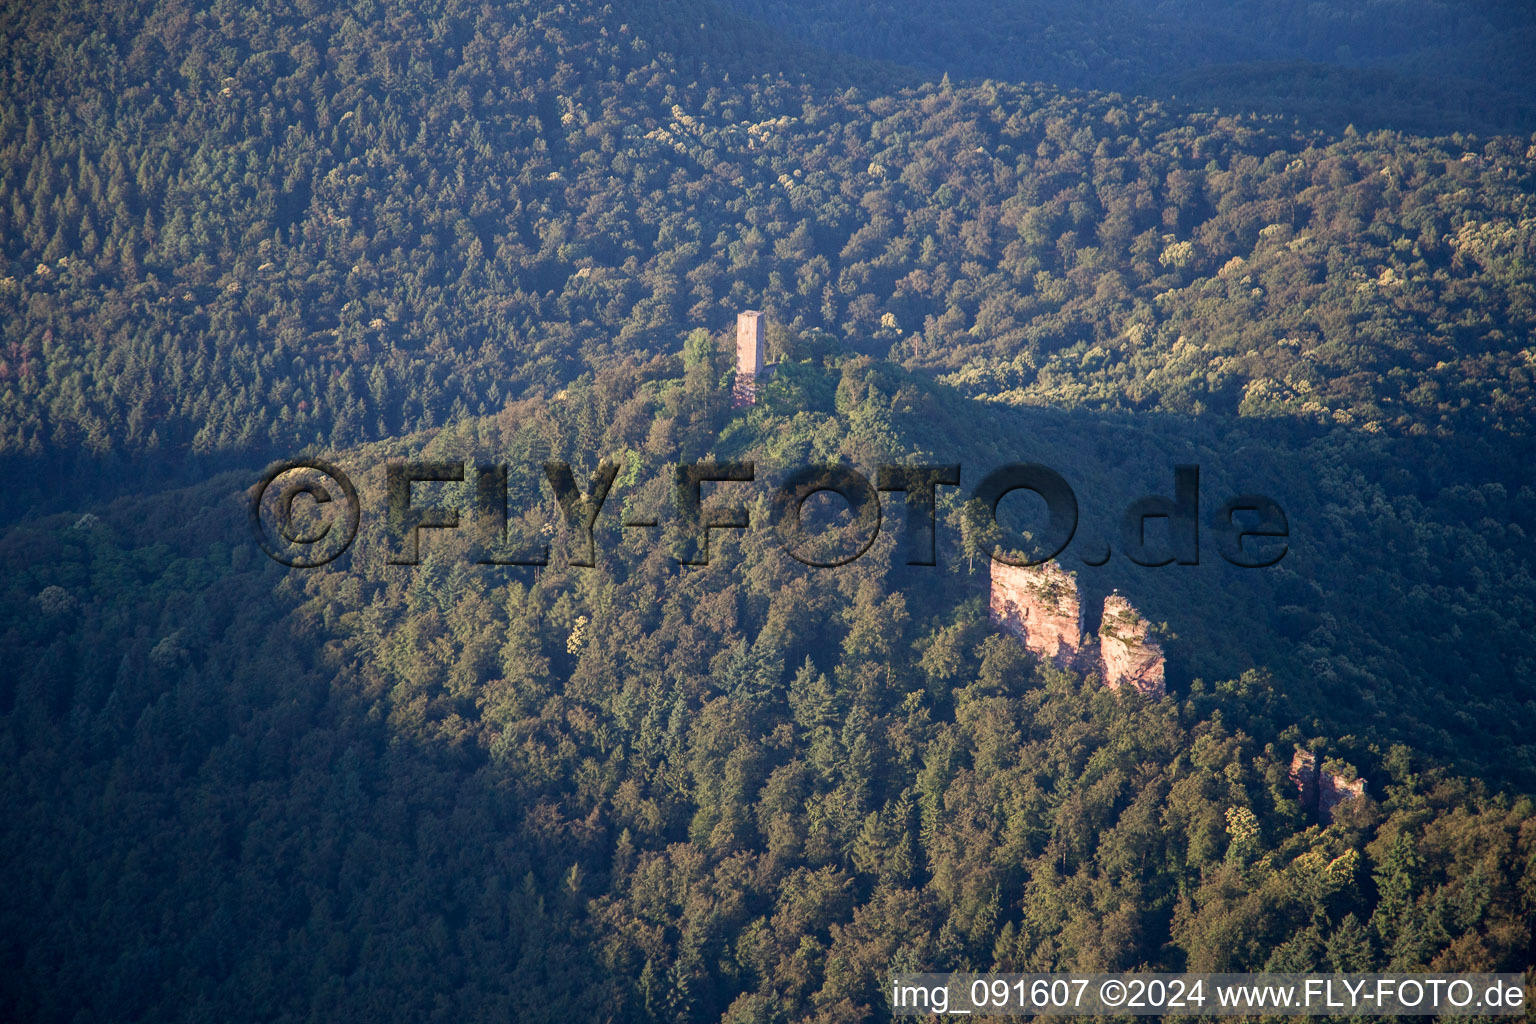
(1322, 791)
(1040, 605)
(1128, 656)
(751, 335)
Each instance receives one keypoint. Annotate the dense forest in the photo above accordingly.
(327, 231)
(737, 792)
(747, 790)
(1413, 65)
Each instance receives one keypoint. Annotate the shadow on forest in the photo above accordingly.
(219, 749)
(1406, 555)
(1291, 65)
(220, 728)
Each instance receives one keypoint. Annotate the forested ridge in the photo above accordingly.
(233, 229)
(1413, 65)
(738, 792)
(748, 790)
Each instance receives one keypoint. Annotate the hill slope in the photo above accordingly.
(743, 791)
(324, 230)
(645, 793)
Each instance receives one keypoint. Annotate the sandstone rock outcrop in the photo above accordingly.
(1127, 654)
(1322, 791)
(1039, 605)
(1042, 607)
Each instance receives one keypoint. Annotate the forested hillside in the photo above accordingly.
(1413, 65)
(744, 791)
(228, 231)
(642, 792)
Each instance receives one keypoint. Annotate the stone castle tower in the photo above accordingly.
(751, 364)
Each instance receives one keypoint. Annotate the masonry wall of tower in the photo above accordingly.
(751, 326)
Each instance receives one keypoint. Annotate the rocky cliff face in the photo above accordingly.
(1127, 654)
(1039, 605)
(1322, 791)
